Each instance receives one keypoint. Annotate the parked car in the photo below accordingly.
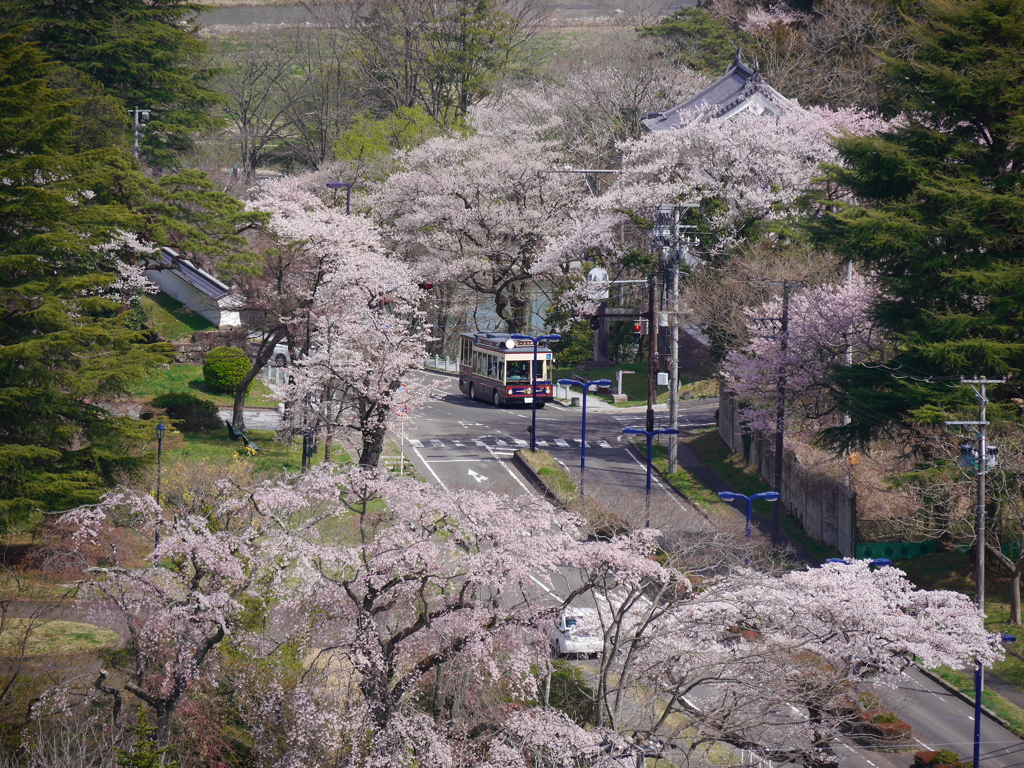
(576, 632)
(281, 356)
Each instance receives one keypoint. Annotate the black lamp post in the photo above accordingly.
(533, 378)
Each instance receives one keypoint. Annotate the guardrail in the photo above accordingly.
(445, 364)
(274, 374)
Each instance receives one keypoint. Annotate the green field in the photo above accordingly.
(184, 377)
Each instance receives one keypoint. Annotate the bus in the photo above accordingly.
(496, 368)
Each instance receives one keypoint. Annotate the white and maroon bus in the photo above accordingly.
(496, 368)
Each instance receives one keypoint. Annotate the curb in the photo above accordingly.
(535, 479)
(964, 697)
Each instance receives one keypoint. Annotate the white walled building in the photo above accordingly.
(197, 289)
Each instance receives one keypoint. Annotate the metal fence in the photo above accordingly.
(445, 364)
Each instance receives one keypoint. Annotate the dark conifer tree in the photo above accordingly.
(939, 214)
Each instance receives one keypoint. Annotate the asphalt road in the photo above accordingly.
(460, 443)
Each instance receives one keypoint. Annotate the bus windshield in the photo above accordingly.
(518, 370)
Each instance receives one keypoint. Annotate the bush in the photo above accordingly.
(191, 413)
(224, 369)
(945, 757)
(885, 717)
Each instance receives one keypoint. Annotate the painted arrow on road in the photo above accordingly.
(477, 476)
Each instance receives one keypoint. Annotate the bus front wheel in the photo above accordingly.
(495, 399)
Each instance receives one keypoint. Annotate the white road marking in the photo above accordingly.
(415, 443)
(542, 443)
(502, 443)
(477, 476)
(521, 443)
(561, 443)
(429, 468)
(545, 587)
(582, 444)
(436, 443)
(603, 444)
(655, 480)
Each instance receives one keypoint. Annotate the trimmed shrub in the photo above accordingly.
(224, 369)
(189, 412)
(945, 757)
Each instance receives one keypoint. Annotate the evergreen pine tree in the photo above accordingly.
(143, 52)
(939, 217)
(64, 343)
(145, 753)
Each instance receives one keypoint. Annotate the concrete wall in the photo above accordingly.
(825, 508)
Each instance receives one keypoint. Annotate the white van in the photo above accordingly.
(576, 632)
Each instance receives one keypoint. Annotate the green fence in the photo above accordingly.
(896, 550)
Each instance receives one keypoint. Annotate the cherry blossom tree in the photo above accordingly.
(771, 663)
(325, 272)
(480, 209)
(371, 588)
(366, 334)
(826, 323)
(181, 607)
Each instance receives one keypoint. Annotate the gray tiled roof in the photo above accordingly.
(199, 279)
(739, 83)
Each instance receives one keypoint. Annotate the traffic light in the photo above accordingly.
(639, 327)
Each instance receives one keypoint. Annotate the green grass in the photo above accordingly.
(217, 448)
(45, 638)
(964, 682)
(743, 477)
(184, 377)
(687, 483)
(172, 319)
(635, 385)
(552, 474)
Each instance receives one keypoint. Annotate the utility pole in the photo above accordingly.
(652, 351)
(780, 414)
(673, 381)
(982, 463)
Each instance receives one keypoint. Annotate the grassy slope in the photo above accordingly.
(172, 319)
(184, 377)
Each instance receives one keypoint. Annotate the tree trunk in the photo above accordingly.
(265, 352)
(373, 445)
(1015, 595)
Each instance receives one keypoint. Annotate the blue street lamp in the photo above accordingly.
(533, 378)
(336, 185)
(979, 686)
(731, 496)
(650, 437)
(583, 442)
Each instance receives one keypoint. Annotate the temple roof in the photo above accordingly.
(740, 89)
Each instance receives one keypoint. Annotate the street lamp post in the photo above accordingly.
(336, 185)
(978, 687)
(533, 378)
(650, 435)
(583, 441)
(731, 496)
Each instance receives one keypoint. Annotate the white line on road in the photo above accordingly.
(430, 469)
(655, 480)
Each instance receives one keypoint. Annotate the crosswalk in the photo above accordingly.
(503, 444)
